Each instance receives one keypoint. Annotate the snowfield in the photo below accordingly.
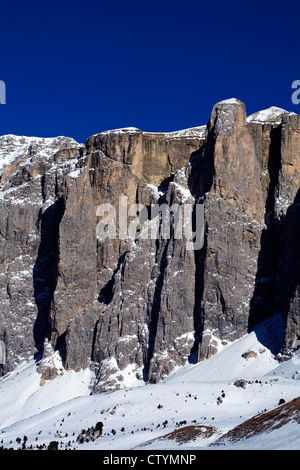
(238, 399)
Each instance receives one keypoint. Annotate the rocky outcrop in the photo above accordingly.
(234, 212)
(137, 308)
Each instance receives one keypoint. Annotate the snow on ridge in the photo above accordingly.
(13, 147)
(121, 130)
(197, 131)
(19, 140)
(231, 101)
(270, 115)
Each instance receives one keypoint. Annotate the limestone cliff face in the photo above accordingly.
(30, 211)
(143, 307)
(234, 214)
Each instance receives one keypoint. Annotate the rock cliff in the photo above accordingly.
(143, 306)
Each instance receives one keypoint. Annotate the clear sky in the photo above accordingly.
(78, 67)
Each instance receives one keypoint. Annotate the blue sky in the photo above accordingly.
(76, 68)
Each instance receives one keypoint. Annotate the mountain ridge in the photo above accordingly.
(149, 306)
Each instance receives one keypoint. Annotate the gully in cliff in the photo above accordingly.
(181, 221)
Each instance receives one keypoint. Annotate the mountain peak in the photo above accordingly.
(270, 115)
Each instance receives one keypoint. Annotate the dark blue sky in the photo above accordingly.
(76, 68)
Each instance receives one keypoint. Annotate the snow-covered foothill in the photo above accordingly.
(191, 409)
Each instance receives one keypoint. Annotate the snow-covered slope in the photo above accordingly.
(192, 409)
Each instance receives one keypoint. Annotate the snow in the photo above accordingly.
(122, 130)
(62, 407)
(155, 191)
(278, 439)
(19, 151)
(183, 194)
(230, 101)
(192, 132)
(271, 115)
(75, 173)
(22, 396)
(13, 147)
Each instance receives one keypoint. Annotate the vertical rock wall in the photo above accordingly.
(144, 307)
